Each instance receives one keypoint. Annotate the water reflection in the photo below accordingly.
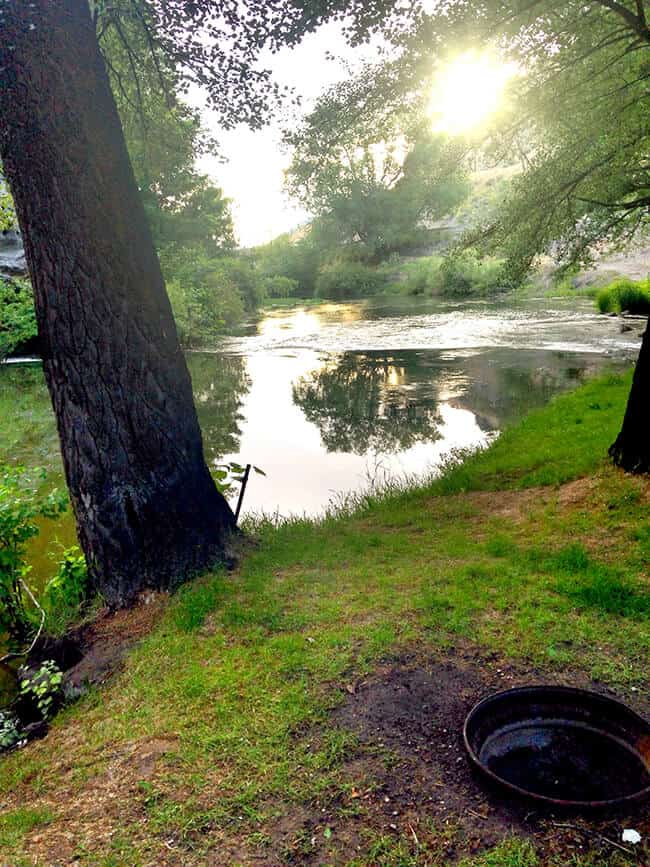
(220, 383)
(363, 402)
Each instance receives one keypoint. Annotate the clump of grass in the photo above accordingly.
(14, 824)
(624, 295)
(510, 853)
(592, 584)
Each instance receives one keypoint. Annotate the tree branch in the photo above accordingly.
(9, 656)
(635, 22)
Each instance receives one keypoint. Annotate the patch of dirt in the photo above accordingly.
(512, 505)
(106, 640)
(643, 486)
(518, 504)
(113, 797)
(410, 777)
(575, 493)
(405, 779)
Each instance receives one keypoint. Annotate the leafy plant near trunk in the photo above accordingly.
(21, 505)
(67, 591)
(9, 732)
(42, 687)
(7, 213)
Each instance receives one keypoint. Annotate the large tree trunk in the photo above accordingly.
(147, 510)
(631, 451)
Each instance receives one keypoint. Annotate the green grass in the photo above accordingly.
(386, 851)
(240, 677)
(14, 824)
(510, 853)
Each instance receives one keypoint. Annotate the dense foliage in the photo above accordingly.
(344, 279)
(375, 187)
(209, 294)
(624, 296)
(295, 258)
(164, 137)
(17, 317)
(458, 275)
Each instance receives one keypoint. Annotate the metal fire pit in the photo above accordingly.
(562, 746)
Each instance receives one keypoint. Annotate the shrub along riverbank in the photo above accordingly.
(262, 717)
(625, 296)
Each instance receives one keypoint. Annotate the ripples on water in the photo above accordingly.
(473, 325)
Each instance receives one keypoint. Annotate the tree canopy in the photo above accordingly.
(579, 101)
(374, 185)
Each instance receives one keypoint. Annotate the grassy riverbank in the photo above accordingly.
(256, 723)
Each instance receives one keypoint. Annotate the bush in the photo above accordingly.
(204, 310)
(466, 274)
(348, 280)
(17, 317)
(66, 592)
(423, 276)
(208, 295)
(9, 730)
(21, 508)
(458, 275)
(624, 295)
(280, 287)
(43, 687)
(297, 261)
(243, 276)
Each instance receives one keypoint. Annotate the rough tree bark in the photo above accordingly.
(631, 451)
(147, 510)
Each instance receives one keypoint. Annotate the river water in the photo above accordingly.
(331, 398)
(335, 397)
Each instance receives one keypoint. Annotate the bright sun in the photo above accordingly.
(467, 91)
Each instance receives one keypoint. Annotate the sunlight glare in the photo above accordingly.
(468, 91)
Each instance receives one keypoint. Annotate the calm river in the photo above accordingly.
(328, 399)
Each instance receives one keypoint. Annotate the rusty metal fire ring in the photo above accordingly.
(561, 746)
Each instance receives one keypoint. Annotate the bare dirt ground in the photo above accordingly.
(410, 775)
(107, 640)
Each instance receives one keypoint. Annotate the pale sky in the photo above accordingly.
(253, 175)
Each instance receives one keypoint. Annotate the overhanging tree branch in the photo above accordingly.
(635, 22)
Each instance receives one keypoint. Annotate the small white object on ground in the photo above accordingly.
(631, 836)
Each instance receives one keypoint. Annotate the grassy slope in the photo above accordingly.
(243, 663)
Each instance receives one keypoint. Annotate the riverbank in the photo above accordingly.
(266, 718)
